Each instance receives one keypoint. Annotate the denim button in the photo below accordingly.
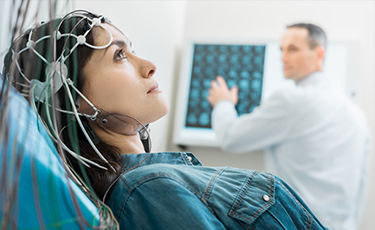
(190, 158)
(266, 198)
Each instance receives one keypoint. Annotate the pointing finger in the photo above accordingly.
(222, 82)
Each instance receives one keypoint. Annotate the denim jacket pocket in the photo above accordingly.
(255, 197)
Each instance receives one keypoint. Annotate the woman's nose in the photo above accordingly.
(148, 69)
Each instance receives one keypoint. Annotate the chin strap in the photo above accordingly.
(119, 123)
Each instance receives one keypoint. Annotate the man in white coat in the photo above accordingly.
(314, 137)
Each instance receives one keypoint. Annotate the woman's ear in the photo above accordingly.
(78, 103)
(82, 106)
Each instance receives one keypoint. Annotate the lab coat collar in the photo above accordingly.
(315, 78)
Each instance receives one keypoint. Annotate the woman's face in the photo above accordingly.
(118, 81)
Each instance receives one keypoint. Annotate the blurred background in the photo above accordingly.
(159, 30)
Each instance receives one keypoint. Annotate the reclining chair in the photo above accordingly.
(35, 192)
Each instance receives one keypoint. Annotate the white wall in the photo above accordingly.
(351, 21)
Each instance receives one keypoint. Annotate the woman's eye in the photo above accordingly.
(120, 55)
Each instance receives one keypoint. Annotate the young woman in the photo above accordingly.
(96, 97)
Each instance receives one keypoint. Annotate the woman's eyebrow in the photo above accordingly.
(119, 43)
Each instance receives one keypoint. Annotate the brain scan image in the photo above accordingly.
(240, 65)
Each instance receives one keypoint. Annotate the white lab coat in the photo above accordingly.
(315, 139)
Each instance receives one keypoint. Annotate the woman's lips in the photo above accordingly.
(154, 89)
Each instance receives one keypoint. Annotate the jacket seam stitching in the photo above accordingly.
(260, 209)
(266, 204)
(135, 166)
(210, 183)
(243, 194)
(125, 184)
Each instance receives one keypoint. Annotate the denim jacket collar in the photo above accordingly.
(132, 161)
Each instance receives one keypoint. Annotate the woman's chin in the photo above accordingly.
(157, 113)
(163, 111)
(163, 108)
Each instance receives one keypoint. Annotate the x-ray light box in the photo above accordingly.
(254, 67)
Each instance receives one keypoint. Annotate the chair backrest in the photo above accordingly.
(39, 192)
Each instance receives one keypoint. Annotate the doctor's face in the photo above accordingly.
(119, 81)
(298, 58)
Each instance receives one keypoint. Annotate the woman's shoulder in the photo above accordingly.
(165, 173)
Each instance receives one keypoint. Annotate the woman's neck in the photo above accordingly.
(126, 144)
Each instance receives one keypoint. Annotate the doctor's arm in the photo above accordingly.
(267, 125)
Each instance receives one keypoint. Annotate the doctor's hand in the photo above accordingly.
(219, 91)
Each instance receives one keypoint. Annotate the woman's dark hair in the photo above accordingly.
(33, 67)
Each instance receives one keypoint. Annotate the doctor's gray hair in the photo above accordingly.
(317, 36)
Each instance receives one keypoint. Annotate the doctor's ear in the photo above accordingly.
(321, 51)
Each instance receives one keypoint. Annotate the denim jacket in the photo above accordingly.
(172, 190)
